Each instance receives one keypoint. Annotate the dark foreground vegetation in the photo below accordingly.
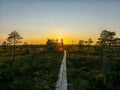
(87, 71)
(32, 69)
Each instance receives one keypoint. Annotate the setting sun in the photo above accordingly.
(59, 40)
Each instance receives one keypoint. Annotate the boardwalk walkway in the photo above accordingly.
(62, 77)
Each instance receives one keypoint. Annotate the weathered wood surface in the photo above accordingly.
(62, 77)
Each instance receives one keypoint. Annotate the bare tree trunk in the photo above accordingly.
(14, 50)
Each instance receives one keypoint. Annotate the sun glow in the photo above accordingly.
(59, 40)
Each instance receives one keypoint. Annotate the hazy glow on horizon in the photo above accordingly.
(39, 20)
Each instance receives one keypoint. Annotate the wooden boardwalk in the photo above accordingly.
(62, 77)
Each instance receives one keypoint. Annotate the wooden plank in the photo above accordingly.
(62, 77)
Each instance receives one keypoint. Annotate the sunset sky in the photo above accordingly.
(72, 20)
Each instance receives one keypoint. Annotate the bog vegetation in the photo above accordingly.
(94, 67)
(36, 67)
(28, 67)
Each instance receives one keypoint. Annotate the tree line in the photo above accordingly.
(107, 40)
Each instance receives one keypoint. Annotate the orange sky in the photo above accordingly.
(42, 39)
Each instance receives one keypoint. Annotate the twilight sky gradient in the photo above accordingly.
(38, 20)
